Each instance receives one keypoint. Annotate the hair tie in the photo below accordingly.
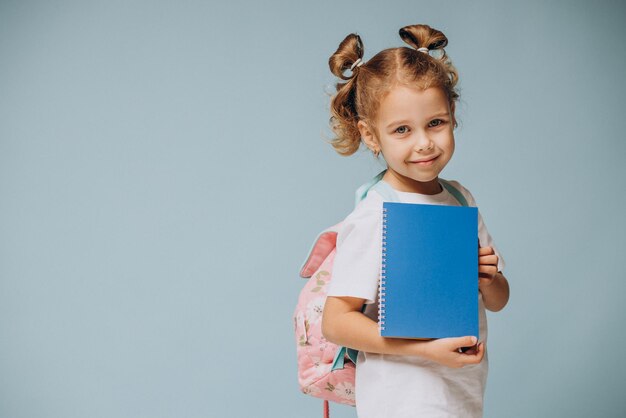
(423, 49)
(357, 63)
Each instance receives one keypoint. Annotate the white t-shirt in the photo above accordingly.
(393, 386)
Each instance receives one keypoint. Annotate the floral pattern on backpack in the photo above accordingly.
(317, 356)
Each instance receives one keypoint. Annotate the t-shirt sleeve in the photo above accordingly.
(356, 268)
(483, 234)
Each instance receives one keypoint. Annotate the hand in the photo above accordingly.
(487, 266)
(447, 351)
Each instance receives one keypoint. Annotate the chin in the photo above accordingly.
(423, 179)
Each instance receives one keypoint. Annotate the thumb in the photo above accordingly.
(465, 341)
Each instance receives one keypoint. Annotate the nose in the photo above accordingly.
(423, 142)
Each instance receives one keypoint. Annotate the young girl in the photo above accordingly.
(400, 104)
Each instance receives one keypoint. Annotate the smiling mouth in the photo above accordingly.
(424, 162)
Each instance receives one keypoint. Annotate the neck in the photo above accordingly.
(405, 184)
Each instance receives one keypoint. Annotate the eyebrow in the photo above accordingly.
(438, 115)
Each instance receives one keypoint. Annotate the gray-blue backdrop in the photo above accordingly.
(163, 171)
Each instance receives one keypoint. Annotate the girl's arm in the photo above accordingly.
(345, 325)
(491, 283)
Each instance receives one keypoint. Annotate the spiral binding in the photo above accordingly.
(383, 275)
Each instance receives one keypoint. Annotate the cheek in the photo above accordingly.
(448, 142)
(398, 151)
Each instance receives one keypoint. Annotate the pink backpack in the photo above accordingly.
(322, 367)
(326, 370)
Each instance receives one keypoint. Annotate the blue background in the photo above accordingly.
(163, 171)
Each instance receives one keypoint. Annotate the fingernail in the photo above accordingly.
(473, 340)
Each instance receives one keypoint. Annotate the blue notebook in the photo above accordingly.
(429, 277)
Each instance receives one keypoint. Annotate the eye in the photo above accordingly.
(438, 122)
(402, 129)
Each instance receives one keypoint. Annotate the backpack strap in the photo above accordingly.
(386, 191)
(454, 192)
(361, 192)
(389, 195)
(381, 186)
(342, 352)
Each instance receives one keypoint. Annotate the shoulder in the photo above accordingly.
(464, 191)
(364, 220)
(367, 209)
(356, 268)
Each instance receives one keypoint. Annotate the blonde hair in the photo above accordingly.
(359, 96)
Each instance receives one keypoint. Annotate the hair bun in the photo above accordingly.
(347, 56)
(423, 36)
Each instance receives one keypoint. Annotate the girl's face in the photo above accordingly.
(415, 137)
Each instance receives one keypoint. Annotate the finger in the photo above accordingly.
(476, 357)
(469, 350)
(481, 351)
(488, 269)
(495, 265)
(485, 251)
(478, 352)
(459, 342)
(484, 282)
(488, 259)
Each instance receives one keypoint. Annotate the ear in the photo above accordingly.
(368, 136)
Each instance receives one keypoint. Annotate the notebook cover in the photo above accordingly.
(429, 280)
